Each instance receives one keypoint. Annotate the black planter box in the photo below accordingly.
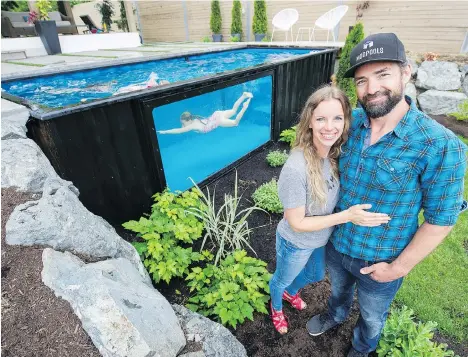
(47, 31)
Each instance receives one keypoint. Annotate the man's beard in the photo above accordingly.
(381, 109)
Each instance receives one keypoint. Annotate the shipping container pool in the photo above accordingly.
(121, 133)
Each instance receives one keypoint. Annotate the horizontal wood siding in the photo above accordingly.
(436, 26)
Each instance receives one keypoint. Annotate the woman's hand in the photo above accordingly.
(357, 215)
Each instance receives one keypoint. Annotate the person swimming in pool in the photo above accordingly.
(191, 122)
(152, 81)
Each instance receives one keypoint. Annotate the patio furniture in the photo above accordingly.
(15, 24)
(284, 21)
(90, 24)
(327, 21)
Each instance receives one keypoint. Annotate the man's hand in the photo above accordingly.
(383, 272)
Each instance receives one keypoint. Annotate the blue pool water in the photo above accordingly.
(199, 155)
(72, 88)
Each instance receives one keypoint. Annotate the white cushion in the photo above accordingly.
(21, 24)
(62, 23)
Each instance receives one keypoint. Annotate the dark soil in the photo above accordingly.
(459, 127)
(34, 321)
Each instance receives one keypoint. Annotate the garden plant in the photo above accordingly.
(277, 158)
(266, 197)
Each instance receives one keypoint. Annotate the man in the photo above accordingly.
(400, 161)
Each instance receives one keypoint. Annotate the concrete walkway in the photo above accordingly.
(81, 60)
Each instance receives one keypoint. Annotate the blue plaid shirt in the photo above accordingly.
(418, 165)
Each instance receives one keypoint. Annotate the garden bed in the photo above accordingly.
(258, 336)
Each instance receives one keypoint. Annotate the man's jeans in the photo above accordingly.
(295, 268)
(374, 298)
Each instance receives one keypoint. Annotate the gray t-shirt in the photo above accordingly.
(294, 192)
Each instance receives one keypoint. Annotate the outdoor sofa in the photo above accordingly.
(15, 24)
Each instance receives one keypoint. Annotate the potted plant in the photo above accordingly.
(215, 21)
(106, 9)
(46, 29)
(236, 24)
(260, 23)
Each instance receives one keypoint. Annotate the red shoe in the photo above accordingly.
(295, 301)
(279, 321)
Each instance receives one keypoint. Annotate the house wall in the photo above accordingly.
(89, 8)
(436, 26)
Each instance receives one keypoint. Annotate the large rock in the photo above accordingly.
(414, 67)
(439, 102)
(25, 166)
(465, 84)
(60, 220)
(123, 316)
(14, 118)
(439, 76)
(464, 69)
(410, 90)
(217, 340)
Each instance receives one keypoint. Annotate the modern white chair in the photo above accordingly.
(284, 21)
(327, 21)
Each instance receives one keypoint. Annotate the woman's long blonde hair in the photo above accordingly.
(304, 139)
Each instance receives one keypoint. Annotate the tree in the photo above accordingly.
(122, 24)
(355, 36)
(260, 22)
(236, 25)
(215, 19)
(106, 10)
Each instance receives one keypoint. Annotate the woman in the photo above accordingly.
(308, 187)
(152, 81)
(221, 118)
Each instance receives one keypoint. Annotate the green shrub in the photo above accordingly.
(169, 224)
(231, 292)
(266, 197)
(215, 19)
(106, 9)
(44, 7)
(289, 136)
(234, 39)
(462, 113)
(355, 36)
(402, 337)
(260, 21)
(236, 24)
(227, 227)
(277, 158)
(206, 39)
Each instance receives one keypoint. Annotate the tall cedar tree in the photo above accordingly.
(215, 19)
(236, 25)
(355, 36)
(260, 22)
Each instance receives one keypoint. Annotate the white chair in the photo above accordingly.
(327, 21)
(284, 21)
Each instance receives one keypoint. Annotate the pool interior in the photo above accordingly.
(67, 89)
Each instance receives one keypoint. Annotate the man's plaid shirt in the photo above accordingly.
(419, 165)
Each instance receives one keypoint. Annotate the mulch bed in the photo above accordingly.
(36, 323)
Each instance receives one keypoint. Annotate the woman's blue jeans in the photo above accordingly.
(374, 298)
(295, 268)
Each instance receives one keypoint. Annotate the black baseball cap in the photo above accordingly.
(376, 48)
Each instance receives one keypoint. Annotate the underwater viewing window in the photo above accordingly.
(201, 135)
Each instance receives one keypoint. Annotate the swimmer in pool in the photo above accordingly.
(191, 122)
(153, 81)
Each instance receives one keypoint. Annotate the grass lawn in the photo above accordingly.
(437, 288)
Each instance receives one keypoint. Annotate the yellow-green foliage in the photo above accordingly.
(232, 291)
(44, 7)
(266, 197)
(402, 337)
(462, 113)
(355, 36)
(169, 225)
(289, 136)
(277, 158)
